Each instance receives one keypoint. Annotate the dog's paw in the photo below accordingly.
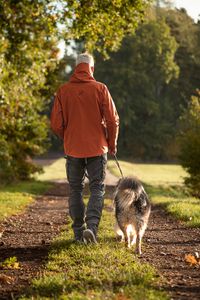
(133, 242)
(119, 239)
(138, 252)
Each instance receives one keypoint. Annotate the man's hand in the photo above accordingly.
(112, 151)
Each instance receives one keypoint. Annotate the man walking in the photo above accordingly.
(85, 117)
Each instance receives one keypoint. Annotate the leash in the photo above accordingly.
(117, 162)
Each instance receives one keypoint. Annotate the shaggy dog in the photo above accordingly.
(132, 210)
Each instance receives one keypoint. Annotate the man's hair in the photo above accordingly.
(85, 58)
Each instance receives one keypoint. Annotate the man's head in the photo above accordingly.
(85, 58)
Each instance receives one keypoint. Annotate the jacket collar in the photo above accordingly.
(82, 73)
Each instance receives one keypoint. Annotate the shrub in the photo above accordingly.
(190, 144)
(26, 59)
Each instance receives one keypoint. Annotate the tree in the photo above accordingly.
(189, 140)
(27, 45)
(187, 57)
(138, 75)
(133, 67)
(186, 33)
(29, 34)
(101, 24)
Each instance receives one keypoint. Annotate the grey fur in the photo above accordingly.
(132, 210)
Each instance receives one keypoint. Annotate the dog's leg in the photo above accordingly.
(129, 239)
(139, 234)
(122, 239)
(138, 249)
(125, 236)
(133, 240)
(129, 234)
(133, 235)
(119, 233)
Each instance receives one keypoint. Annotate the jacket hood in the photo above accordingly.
(82, 73)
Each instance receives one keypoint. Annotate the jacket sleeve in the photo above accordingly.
(111, 118)
(57, 121)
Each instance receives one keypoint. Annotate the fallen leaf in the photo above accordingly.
(4, 279)
(191, 259)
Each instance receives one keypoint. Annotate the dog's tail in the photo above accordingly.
(128, 191)
(125, 198)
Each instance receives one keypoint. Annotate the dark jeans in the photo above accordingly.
(76, 169)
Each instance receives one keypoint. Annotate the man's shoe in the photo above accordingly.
(89, 237)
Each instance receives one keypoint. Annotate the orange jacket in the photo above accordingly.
(84, 115)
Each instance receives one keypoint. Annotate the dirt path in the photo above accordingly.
(167, 241)
(28, 237)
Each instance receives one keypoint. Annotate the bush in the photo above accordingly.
(17, 147)
(26, 58)
(190, 144)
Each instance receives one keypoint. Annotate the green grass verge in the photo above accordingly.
(148, 173)
(14, 198)
(104, 271)
(54, 171)
(186, 209)
(164, 183)
(153, 174)
(177, 202)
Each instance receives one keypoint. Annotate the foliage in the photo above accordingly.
(187, 57)
(102, 24)
(187, 35)
(137, 76)
(151, 79)
(29, 34)
(143, 75)
(189, 139)
(27, 39)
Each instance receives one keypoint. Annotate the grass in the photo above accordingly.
(104, 271)
(153, 174)
(54, 171)
(164, 183)
(148, 173)
(186, 209)
(14, 198)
